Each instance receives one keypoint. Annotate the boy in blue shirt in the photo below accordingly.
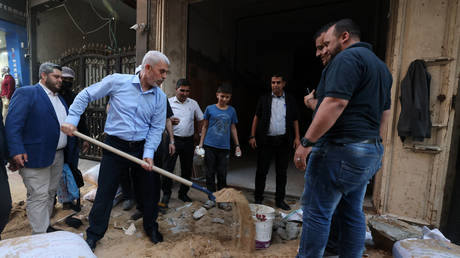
(219, 122)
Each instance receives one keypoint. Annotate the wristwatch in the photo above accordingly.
(306, 143)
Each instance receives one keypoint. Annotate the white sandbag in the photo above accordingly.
(62, 244)
(91, 175)
(413, 247)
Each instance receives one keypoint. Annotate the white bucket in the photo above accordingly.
(263, 220)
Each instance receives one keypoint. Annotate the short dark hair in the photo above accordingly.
(322, 30)
(182, 82)
(225, 88)
(349, 26)
(283, 77)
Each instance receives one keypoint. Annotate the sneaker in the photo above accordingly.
(209, 204)
(224, 206)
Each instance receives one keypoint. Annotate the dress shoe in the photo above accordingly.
(51, 229)
(128, 205)
(137, 215)
(184, 198)
(155, 236)
(282, 205)
(91, 243)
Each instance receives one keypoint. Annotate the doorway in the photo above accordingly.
(244, 42)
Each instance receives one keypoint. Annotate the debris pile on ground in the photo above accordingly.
(387, 230)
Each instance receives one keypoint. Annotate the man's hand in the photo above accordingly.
(296, 143)
(174, 120)
(300, 157)
(150, 164)
(172, 149)
(68, 129)
(85, 147)
(252, 143)
(20, 160)
(309, 97)
(12, 165)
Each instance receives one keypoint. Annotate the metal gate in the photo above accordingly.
(91, 64)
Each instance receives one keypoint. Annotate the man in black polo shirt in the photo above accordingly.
(353, 106)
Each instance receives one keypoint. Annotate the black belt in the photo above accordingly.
(130, 144)
(367, 141)
(183, 137)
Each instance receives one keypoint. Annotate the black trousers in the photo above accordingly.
(277, 148)
(184, 149)
(5, 198)
(216, 161)
(112, 167)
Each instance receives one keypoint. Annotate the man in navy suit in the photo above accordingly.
(36, 144)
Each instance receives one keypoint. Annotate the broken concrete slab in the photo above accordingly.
(199, 213)
(425, 248)
(387, 230)
(218, 220)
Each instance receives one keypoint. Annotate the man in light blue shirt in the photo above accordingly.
(135, 122)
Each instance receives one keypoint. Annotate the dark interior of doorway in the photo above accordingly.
(243, 42)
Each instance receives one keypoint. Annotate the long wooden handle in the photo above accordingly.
(132, 158)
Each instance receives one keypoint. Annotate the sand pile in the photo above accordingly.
(244, 229)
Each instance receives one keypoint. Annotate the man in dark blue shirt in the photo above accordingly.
(344, 141)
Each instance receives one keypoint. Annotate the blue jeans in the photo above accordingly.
(336, 178)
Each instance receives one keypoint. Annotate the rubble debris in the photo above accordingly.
(130, 230)
(218, 220)
(199, 213)
(288, 230)
(387, 230)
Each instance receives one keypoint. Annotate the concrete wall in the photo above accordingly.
(56, 32)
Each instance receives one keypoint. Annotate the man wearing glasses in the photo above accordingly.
(186, 111)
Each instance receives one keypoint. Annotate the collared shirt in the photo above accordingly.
(187, 112)
(278, 116)
(134, 115)
(61, 114)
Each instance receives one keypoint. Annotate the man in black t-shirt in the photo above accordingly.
(353, 106)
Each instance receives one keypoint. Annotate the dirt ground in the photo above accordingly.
(211, 236)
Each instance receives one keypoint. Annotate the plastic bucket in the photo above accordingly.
(263, 220)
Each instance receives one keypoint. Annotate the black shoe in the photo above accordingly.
(137, 215)
(165, 199)
(155, 236)
(184, 198)
(51, 229)
(282, 205)
(91, 243)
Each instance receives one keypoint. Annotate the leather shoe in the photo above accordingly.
(91, 243)
(184, 198)
(155, 236)
(137, 215)
(51, 229)
(282, 205)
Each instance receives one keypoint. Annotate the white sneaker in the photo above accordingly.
(209, 204)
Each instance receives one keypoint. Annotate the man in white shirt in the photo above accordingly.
(36, 144)
(187, 111)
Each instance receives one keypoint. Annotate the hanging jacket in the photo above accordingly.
(414, 119)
